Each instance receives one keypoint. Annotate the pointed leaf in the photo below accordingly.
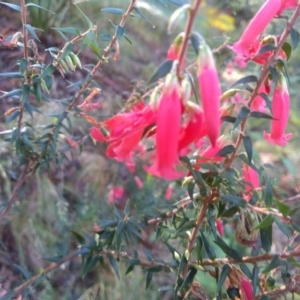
(274, 263)
(113, 10)
(235, 200)
(31, 30)
(255, 279)
(148, 279)
(266, 222)
(246, 79)
(38, 6)
(295, 37)
(268, 194)
(114, 264)
(162, 71)
(260, 115)
(244, 112)
(228, 250)
(13, 6)
(246, 271)
(226, 150)
(224, 273)
(248, 147)
(209, 250)
(266, 238)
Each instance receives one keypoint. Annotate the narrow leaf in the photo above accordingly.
(113, 10)
(248, 147)
(295, 37)
(244, 112)
(13, 6)
(224, 273)
(266, 222)
(228, 250)
(235, 200)
(162, 71)
(209, 250)
(226, 150)
(266, 238)
(244, 80)
(114, 264)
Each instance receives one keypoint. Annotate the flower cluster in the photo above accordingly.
(175, 122)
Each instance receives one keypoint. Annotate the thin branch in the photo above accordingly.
(247, 259)
(263, 76)
(192, 15)
(13, 196)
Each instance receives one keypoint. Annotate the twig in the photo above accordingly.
(189, 25)
(181, 205)
(12, 198)
(247, 259)
(263, 76)
(50, 268)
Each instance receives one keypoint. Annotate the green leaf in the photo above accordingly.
(70, 30)
(189, 278)
(224, 273)
(244, 112)
(162, 71)
(119, 229)
(13, 116)
(38, 6)
(265, 298)
(274, 263)
(23, 65)
(283, 227)
(129, 269)
(268, 102)
(283, 208)
(13, 6)
(268, 194)
(90, 23)
(287, 48)
(274, 75)
(295, 37)
(255, 273)
(25, 93)
(190, 189)
(67, 51)
(90, 264)
(113, 10)
(227, 250)
(148, 253)
(248, 147)
(228, 119)
(209, 250)
(24, 272)
(78, 236)
(230, 212)
(48, 71)
(246, 79)
(15, 92)
(266, 222)
(120, 32)
(225, 151)
(139, 12)
(31, 30)
(246, 271)
(266, 48)
(11, 75)
(154, 269)
(260, 115)
(114, 264)
(235, 200)
(148, 279)
(266, 238)
(105, 37)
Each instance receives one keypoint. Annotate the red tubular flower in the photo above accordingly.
(167, 132)
(209, 154)
(287, 4)
(281, 110)
(256, 26)
(246, 289)
(220, 228)
(210, 92)
(124, 131)
(194, 130)
(251, 177)
(174, 50)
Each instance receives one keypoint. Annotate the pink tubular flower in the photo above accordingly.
(220, 228)
(252, 181)
(174, 50)
(167, 131)
(169, 192)
(138, 182)
(281, 110)
(124, 131)
(259, 103)
(194, 129)
(210, 92)
(256, 26)
(287, 4)
(209, 154)
(246, 289)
